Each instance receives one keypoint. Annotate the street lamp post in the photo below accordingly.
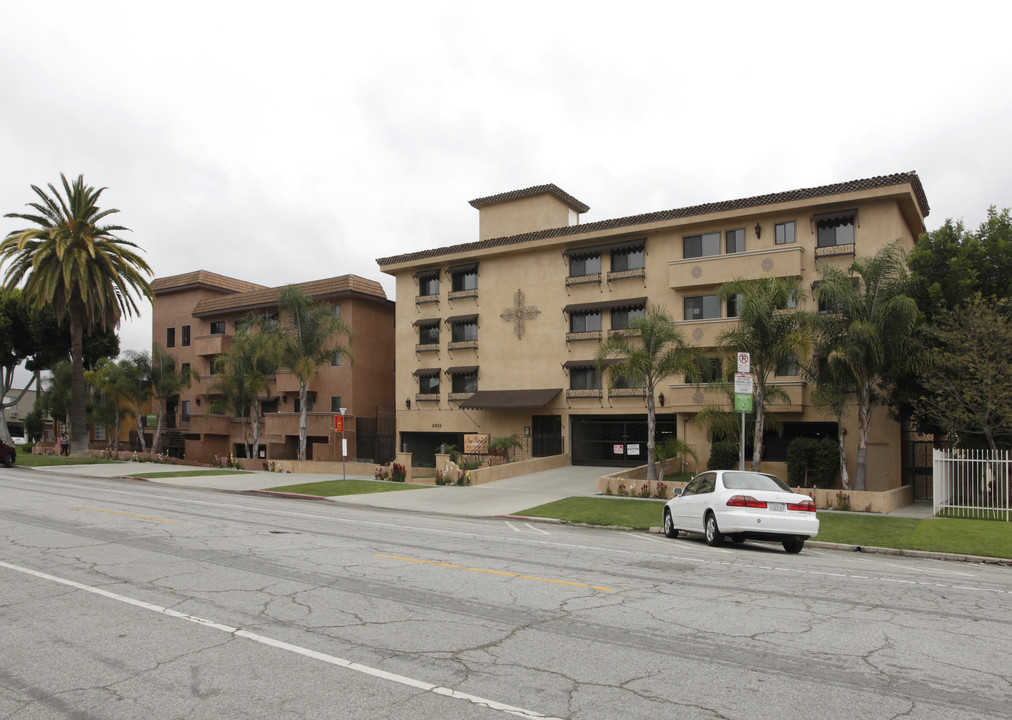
(344, 448)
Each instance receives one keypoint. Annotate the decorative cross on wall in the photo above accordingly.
(519, 314)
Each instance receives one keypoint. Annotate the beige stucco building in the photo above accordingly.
(498, 336)
(194, 319)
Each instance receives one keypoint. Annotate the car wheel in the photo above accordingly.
(9, 460)
(794, 545)
(669, 526)
(714, 537)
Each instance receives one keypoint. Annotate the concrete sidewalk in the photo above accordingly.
(503, 497)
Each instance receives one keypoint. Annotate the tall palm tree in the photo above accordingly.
(773, 331)
(244, 371)
(309, 341)
(874, 307)
(77, 265)
(654, 351)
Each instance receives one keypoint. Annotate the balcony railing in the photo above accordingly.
(715, 270)
(209, 345)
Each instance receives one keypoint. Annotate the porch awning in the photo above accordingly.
(510, 399)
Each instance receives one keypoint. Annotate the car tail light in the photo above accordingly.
(803, 506)
(745, 501)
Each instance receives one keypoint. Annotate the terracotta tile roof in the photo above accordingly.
(550, 188)
(202, 278)
(757, 201)
(264, 297)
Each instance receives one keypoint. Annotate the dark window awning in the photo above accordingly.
(608, 247)
(570, 364)
(462, 319)
(463, 370)
(426, 372)
(836, 217)
(426, 321)
(510, 399)
(606, 305)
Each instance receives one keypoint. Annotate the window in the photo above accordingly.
(464, 279)
(465, 382)
(184, 411)
(734, 241)
(702, 307)
(621, 318)
(587, 378)
(627, 259)
(184, 372)
(428, 384)
(218, 327)
(309, 405)
(733, 303)
(788, 367)
(428, 284)
(185, 339)
(337, 311)
(836, 231)
(585, 321)
(701, 245)
(428, 334)
(710, 370)
(170, 337)
(335, 359)
(335, 404)
(100, 433)
(464, 331)
(784, 233)
(623, 383)
(589, 264)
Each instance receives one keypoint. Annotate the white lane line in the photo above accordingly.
(530, 527)
(537, 529)
(298, 650)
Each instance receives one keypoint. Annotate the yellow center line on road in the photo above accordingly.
(495, 572)
(113, 512)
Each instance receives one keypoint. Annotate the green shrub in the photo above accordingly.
(723, 456)
(812, 463)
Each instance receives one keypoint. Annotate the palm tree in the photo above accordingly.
(243, 373)
(78, 266)
(111, 378)
(137, 384)
(167, 379)
(877, 314)
(773, 332)
(309, 342)
(654, 351)
(674, 447)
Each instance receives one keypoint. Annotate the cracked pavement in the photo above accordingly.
(576, 623)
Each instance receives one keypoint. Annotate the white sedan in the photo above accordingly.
(742, 505)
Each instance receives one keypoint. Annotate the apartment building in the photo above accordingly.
(195, 317)
(498, 336)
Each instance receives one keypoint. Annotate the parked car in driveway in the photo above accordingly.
(742, 505)
(8, 454)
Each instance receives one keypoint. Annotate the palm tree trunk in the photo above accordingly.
(760, 428)
(651, 426)
(78, 397)
(302, 420)
(255, 451)
(842, 443)
(863, 425)
(140, 428)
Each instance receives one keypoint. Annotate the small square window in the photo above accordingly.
(587, 378)
(464, 331)
(621, 318)
(836, 232)
(702, 307)
(335, 359)
(734, 241)
(335, 404)
(428, 334)
(466, 279)
(580, 265)
(585, 322)
(628, 259)
(710, 370)
(218, 327)
(784, 233)
(733, 303)
(170, 337)
(428, 384)
(788, 367)
(465, 383)
(428, 285)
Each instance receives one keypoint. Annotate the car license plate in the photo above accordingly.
(777, 507)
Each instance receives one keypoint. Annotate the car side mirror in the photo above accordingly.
(675, 492)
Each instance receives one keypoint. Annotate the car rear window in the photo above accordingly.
(753, 481)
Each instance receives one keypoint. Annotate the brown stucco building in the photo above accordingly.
(499, 335)
(194, 318)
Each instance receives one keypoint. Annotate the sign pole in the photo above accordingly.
(344, 448)
(743, 389)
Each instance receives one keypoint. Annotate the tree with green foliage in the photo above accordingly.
(876, 317)
(113, 381)
(244, 371)
(309, 339)
(671, 448)
(167, 379)
(137, 387)
(774, 331)
(502, 446)
(967, 374)
(79, 266)
(655, 350)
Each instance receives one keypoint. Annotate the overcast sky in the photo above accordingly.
(281, 142)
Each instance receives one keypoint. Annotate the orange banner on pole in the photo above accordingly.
(339, 423)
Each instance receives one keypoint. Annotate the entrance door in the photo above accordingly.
(546, 435)
(616, 439)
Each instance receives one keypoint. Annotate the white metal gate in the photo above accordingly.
(973, 483)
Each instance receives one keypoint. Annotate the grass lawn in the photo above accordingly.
(29, 460)
(189, 473)
(332, 488)
(989, 538)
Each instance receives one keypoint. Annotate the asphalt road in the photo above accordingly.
(121, 599)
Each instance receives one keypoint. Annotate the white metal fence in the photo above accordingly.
(973, 483)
